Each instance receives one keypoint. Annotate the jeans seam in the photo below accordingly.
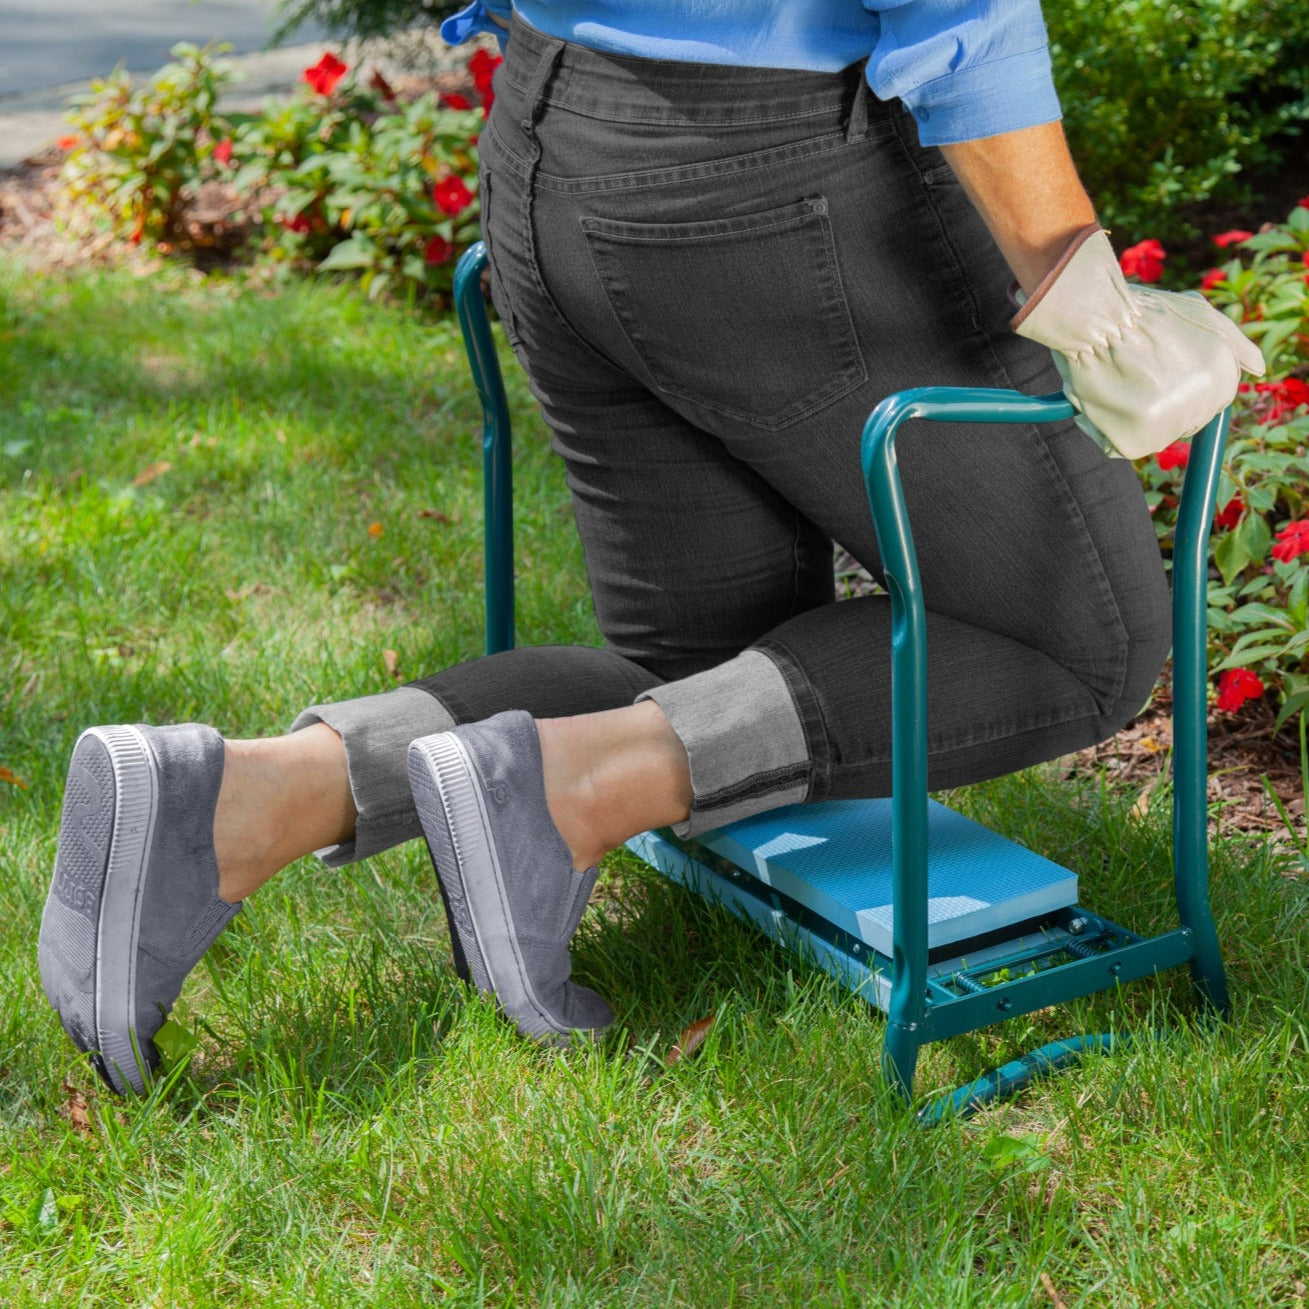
(611, 111)
(386, 817)
(448, 702)
(809, 709)
(757, 784)
(527, 212)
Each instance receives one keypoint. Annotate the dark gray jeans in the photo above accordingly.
(711, 276)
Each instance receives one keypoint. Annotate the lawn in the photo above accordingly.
(223, 504)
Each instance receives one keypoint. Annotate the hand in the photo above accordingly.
(1143, 367)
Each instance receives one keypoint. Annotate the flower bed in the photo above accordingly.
(342, 175)
(1259, 599)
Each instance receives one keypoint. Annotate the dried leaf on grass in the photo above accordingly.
(691, 1040)
(391, 661)
(1142, 805)
(8, 775)
(78, 1116)
(1048, 1287)
(148, 475)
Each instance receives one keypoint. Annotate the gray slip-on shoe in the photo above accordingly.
(134, 901)
(511, 893)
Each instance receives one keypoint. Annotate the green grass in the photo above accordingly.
(354, 1128)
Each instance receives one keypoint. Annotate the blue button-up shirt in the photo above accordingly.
(963, 68)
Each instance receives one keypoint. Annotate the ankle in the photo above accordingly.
(244, 833)
(612, 774)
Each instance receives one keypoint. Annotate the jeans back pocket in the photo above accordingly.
(744, 316)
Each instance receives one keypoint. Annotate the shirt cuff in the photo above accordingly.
(986, 99)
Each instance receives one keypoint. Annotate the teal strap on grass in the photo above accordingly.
(497, 467)
(1012, 1077)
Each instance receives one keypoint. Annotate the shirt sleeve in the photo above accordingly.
(964, 68)
(474, 19)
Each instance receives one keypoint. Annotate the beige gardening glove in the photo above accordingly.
(1143, 367)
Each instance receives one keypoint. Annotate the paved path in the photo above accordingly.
(46, 43)
(49, 49)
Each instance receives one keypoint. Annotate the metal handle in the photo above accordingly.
(909, 687)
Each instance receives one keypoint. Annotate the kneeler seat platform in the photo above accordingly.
(819, 879)
(835, 859)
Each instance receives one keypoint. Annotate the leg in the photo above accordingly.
(732, 312)
(281, 798)
(1047, 639)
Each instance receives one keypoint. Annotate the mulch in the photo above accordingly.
(1243, 754)
(1243, 750)
(27, 211)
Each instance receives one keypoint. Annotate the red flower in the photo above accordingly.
(1144, 260)
(299, 223)
(1175, 455)
(223, 152)
(68, 142)
(381, 86)
(1287, 396)
(452, 196)
(1304, 202)
(1212, 278)
(1230, 514)
(1292, 540)
(453, 101)
(1224, 239)
(482, 66)
(325, 74)
(437, 250)
(1235, 687)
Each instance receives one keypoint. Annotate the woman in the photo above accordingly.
(714, 250)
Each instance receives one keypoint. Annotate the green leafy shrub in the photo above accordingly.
(361, 182)
(140, 153)
(1172, 102)
(1259, 605)
(343, 176)
(279, 157)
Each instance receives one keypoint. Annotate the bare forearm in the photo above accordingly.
(1026, 188)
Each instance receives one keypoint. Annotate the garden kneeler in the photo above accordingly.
(942, 923)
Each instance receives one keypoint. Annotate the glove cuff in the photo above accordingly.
(1028, 303)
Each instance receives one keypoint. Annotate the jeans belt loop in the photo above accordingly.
(538, 83)
(856, 127)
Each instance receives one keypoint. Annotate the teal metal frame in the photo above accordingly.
(497, 468)
(1077, 952)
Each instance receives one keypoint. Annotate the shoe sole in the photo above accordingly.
(452, 809)
(118, 915)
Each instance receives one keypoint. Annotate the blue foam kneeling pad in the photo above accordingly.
(834, 858)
